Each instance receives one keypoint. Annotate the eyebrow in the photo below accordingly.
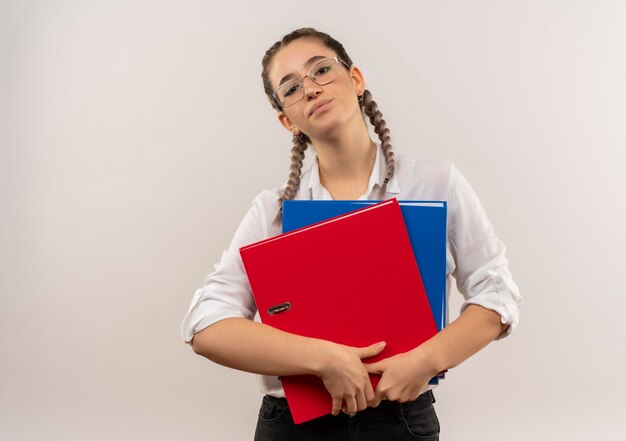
(307, 63)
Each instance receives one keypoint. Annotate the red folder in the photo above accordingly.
(352, 279)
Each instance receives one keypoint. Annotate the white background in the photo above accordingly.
(135, 134)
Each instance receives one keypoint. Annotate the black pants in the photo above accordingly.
(391, 421)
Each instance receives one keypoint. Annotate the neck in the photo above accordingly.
(345, 157)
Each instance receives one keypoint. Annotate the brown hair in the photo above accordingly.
(300, 143)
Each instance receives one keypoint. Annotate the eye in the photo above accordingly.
(322, 70)
(289, 90)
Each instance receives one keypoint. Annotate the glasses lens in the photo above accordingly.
(290, 92)
(325, 71)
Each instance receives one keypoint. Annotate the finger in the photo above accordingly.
(361, 401)
(375, 400)
(337, 402)
(374, 403)
(375, 368)
(370, 351)
(379, 396)
(350, 405)
(369, 392)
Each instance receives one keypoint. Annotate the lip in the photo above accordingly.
(318, 105)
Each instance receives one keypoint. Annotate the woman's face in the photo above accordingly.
(340, 97)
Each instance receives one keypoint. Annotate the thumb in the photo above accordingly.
(372, 350)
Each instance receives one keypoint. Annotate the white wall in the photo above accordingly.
(123, 122)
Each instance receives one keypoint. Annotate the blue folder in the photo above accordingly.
(425, 223)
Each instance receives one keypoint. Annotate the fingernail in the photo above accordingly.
(381, 344)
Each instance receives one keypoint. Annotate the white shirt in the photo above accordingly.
(474, 257)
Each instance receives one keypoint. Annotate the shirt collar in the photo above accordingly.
(379, 171)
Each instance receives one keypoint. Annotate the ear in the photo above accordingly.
(287, 123)
(358, 81)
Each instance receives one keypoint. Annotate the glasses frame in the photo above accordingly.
(308, 74)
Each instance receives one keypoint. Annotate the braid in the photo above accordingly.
(370, 108)
(300, 144)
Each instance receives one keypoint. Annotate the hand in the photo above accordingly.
(404, 376)
(345, 377)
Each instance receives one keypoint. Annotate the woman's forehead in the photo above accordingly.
(292, 58)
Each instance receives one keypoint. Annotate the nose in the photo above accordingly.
(311, 88)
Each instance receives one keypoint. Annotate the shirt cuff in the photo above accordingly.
(205, 314)
(504, 303)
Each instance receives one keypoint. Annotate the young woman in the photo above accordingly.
(320, 97)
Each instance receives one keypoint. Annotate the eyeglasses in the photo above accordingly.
(323, 72)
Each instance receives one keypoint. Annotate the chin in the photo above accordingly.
(330, 121)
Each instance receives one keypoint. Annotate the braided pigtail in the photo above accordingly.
(370, 109)
(300, 144)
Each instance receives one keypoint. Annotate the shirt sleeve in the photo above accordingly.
(481, 268)
(226, 291)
